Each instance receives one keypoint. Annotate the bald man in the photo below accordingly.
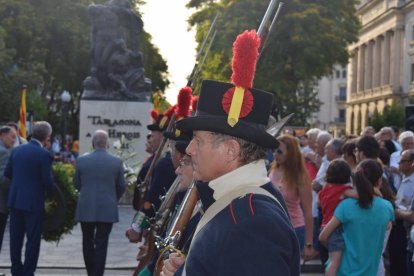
(99, 177)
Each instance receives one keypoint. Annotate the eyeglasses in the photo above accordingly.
(185, 163)
(404, 161)
(279, 151)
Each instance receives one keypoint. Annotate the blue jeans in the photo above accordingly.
(300, 234)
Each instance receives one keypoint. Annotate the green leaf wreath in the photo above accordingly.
(62, 175)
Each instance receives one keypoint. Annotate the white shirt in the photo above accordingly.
(395, 158)
(320, 178)
(405, 192)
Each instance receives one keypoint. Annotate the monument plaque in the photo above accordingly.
(125, 123)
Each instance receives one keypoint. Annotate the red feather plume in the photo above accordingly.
(194, 103)
(245, 54)
(184, 102)
(154, 114)
(170, 111)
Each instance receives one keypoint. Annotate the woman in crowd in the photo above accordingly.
(289, 175)
(348, 153)
(364, 221)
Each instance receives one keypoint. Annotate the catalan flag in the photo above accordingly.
(22, 114)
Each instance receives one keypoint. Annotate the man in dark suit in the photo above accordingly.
(29, 169)
(99, 177)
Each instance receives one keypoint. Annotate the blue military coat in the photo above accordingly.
(251, 236)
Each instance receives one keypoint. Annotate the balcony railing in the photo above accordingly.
(339, 120)
(340, 98)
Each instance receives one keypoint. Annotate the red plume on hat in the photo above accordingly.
(166, 116)
(169, 111)
(154, 115)
(194, 103)
(183, 103)
(238, 101)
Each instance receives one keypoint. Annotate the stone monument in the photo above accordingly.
(116, 95)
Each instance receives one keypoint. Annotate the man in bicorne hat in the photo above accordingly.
(161, 178)
(154, 139)
(245, 229)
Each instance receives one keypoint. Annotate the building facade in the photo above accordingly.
(381, 66)
(332, 92)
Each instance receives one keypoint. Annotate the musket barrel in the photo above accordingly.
(267, 19)
(169, 196)
(280, 6)
(197, 74)
(185, 211)
(192, 79)
(207, 36)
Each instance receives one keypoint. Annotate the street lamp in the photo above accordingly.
(65, 97)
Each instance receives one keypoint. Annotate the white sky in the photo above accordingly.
(166, 21)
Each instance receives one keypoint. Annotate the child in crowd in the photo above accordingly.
(338, 176)
(364, 220)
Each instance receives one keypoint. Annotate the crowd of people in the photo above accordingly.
(225, 196)
(344, 197)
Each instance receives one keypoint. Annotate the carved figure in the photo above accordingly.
(116, 71)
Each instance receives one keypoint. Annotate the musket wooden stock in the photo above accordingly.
(146, 258)
(180, 221)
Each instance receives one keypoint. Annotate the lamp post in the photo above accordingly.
(65, 97)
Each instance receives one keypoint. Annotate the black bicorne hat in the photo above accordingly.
(177, 135)
(211, 115)
(182, 139)
(160, 124)
(235, 109)
(180, 146)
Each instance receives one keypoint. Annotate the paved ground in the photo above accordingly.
(65, 258)
(61, 258)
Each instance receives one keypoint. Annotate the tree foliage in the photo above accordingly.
(45, 45)
(393, 115)
(308, 39)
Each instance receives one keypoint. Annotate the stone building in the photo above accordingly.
(381, 67)
(332, 92)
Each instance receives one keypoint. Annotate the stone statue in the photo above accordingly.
(117, 72)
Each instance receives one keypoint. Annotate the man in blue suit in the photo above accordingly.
(99, 177)
(29, 169)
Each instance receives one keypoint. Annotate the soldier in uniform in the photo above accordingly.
(162, 177)
(245, 229)
(183, 168)
(154, 139)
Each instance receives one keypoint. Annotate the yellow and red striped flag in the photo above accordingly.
(22, 114)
